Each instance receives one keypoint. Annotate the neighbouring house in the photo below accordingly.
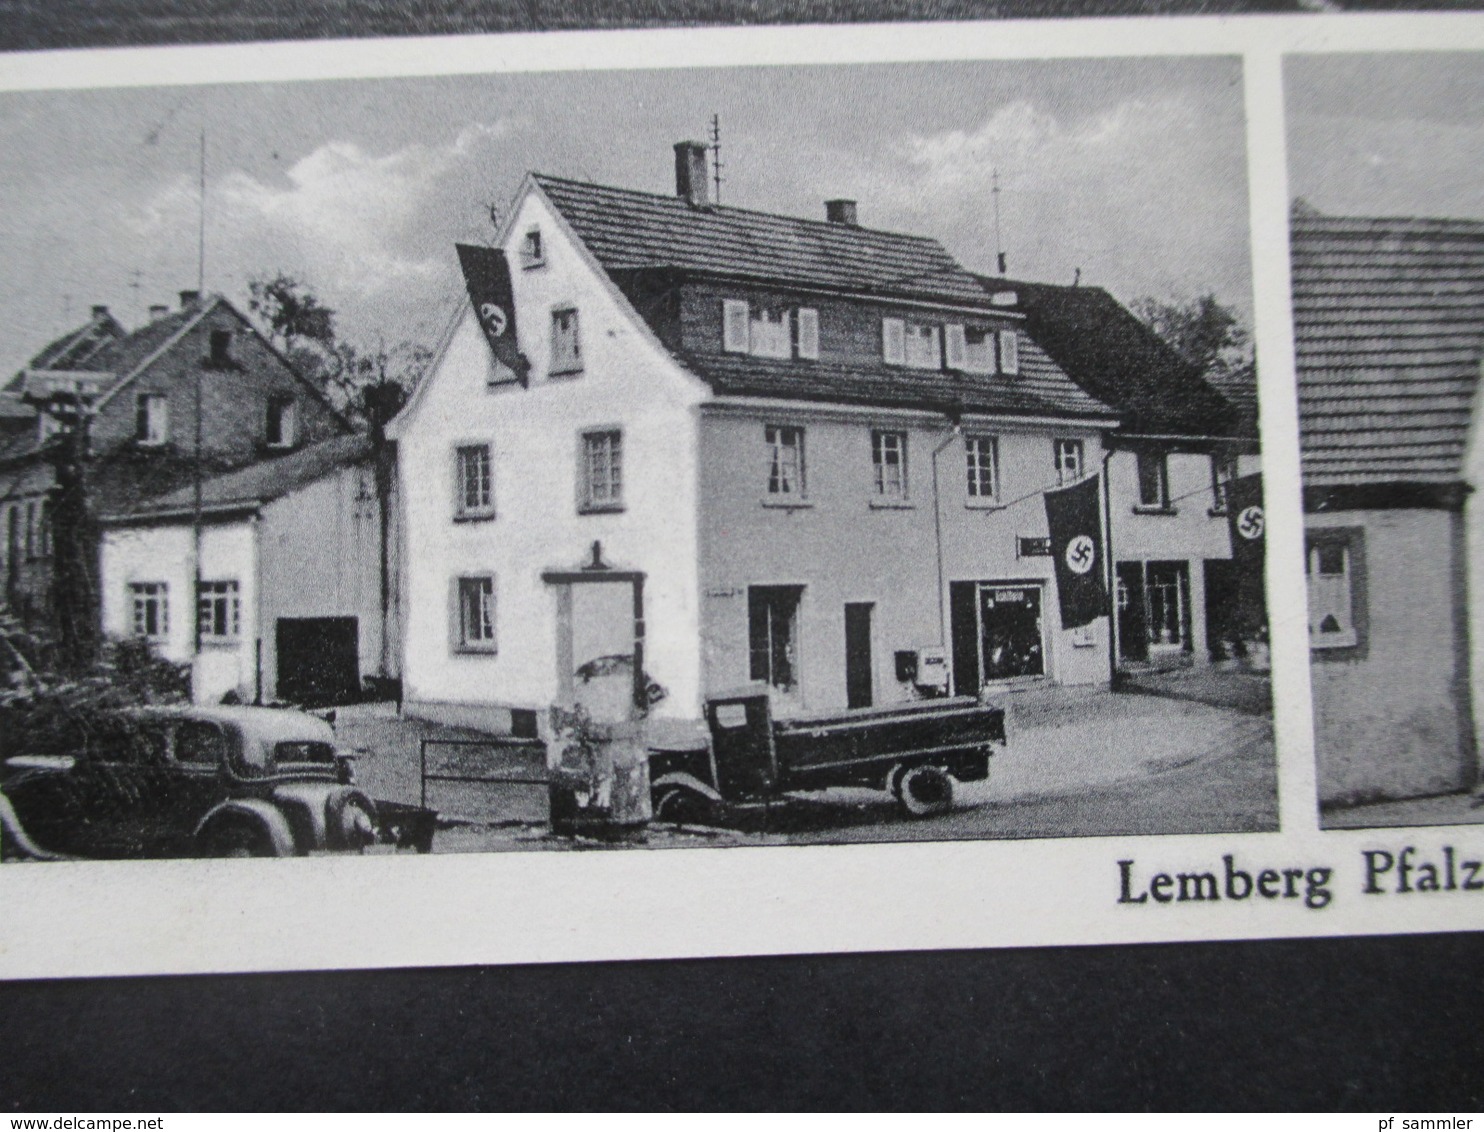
(1181, 444)
(1389, 330)
(197, 386)
(805, 454)
(296, 594)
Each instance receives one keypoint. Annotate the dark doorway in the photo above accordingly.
(772, 635)
(997, 633)
(318, 660)
(1222, 632)
(1133, 623)
(858, 675)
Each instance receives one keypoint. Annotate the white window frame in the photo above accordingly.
(1342, 602)
(477, 458)
(287, 409)
(922, 345)
(1069, 471)
(889, 465)
(142, 595)
(566, 341)
(1162, 468)
(532, 248)
(787, 479)
(1009, 352)
(219, 607)
(152, 410)
(894, 341)
(978, 446)
(778, 332)
(474, 629)
(600, 472)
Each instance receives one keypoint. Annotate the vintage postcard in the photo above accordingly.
(612, 495)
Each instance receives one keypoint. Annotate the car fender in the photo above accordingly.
(11, 829)
(263, 814)
(335, 807)
(690, 781)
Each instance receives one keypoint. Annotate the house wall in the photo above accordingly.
(1188, 532)
(628, 382)
(166, 554)
(319, 558)
(1391, 716)
(234, 407)
(841, 549)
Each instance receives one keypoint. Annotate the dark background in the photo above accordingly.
(1365, 1024)
(1361, 1024)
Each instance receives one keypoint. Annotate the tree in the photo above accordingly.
(1201, 330)
(293, 314)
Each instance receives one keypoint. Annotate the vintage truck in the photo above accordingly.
(914, 751)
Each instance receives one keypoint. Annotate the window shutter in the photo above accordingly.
(894, 341)
(955, 346)
(809, 333)
(1009, 352)
(735, 316)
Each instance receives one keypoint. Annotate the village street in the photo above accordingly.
(1078, 764)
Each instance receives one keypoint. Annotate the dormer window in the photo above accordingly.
(281, 421)
(532, 252)
(970, 349)
(221, 348)
(917, 345)
(777, 332)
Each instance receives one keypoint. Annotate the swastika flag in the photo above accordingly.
(1247, 519)
(1074, 519)
(487, 275)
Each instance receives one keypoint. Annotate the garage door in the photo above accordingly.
(318, 660)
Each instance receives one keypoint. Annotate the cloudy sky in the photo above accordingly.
(1387, 135)
(1132, 171)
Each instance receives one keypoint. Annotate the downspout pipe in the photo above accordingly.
(1108, 569)
(955, 430)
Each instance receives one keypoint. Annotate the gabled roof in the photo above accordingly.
(625, 229)
(1106, 350)
(246, 489)
(77, 348)
(1389, 333)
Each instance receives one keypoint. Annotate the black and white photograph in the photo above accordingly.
(1388, 279)
(678, 459)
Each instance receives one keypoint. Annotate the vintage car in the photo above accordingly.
(198, 782)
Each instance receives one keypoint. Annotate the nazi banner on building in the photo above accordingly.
(487, 275)
(1072, 516)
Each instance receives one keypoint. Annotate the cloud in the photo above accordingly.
(1142, 182)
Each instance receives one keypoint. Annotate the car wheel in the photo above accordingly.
(681, 805)
(925, 791)
(237, 839)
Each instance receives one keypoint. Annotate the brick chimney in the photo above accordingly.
(189, 299)
(158, 311)
(841, 212)
(100, 311)
(690, 172)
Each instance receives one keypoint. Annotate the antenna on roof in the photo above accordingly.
(999, 239)
(716, 154)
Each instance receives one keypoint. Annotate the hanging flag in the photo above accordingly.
(1072, 515)
(487, 275)
(1247, 522)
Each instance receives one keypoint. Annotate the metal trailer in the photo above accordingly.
(915, 751)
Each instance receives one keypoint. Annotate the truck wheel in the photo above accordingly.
(237, 839)
(681, 805)
(925, 791)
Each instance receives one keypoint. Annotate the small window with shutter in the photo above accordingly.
(894, 341)
(1009, 352)
(978, 350)
(807, 325)
(736, 332)
(955, 346)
